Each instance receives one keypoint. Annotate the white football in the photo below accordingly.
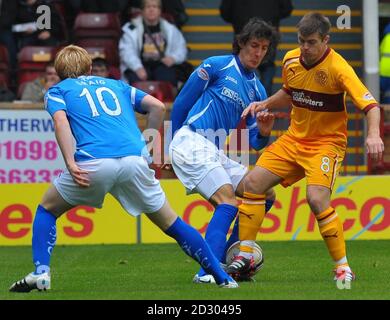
(258, 256)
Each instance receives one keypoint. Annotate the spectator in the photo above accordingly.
(238, 13)
(385, 66)
(173, 8)
(35, 90)
(100, 68)
(151, 47)
(8, 10)
(27, 13)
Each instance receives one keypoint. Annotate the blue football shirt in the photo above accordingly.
(214, 97)
(101, 113)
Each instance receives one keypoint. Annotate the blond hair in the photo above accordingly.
(72, 62)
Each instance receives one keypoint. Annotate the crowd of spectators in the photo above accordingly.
(148, 28)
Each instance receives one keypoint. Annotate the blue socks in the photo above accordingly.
(234, 236)
(44, 239)
(217, 230)
(193, 245)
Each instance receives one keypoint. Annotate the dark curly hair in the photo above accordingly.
(255, 29)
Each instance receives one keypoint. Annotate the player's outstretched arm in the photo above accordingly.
(65, 141)
(278, 100)
(155, 110)
(374, 143)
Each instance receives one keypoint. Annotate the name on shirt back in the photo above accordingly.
(90, 82)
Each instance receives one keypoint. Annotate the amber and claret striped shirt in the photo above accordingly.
(319, 113)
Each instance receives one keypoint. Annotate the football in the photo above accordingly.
(258, 257)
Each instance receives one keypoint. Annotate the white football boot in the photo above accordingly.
(207, 278)
(32, 281)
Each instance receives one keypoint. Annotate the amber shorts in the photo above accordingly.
(292, 161)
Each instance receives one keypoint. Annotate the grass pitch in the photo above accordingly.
(292, 270)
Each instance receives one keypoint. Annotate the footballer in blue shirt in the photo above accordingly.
(207, 109)
(110, 157)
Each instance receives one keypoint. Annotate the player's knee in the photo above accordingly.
(316, 204)
(251, 184)
(225, 195)
(318, 199)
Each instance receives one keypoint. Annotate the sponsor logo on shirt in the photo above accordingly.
(231, 79)
(203, 74)
(367, 96)
(299, 97)
(234, 96)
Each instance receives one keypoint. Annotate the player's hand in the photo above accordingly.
(375, 147)
(79, 176)
(253, 108)
(265, 121)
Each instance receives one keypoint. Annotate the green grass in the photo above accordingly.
(292, 270)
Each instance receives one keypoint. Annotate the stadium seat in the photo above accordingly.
(162, 90)
(35, 57)
(32, 61)
(97, 25)
(108, 53)
(110, 47)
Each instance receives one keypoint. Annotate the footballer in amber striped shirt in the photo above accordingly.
(316, 80)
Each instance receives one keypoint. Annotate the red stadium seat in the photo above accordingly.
(33, 61)
(108, 53)
(35, 57)
(162, 90)
(97, 25)
(110, 47)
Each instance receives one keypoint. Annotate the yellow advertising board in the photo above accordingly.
(82, 225)
(362, 203)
